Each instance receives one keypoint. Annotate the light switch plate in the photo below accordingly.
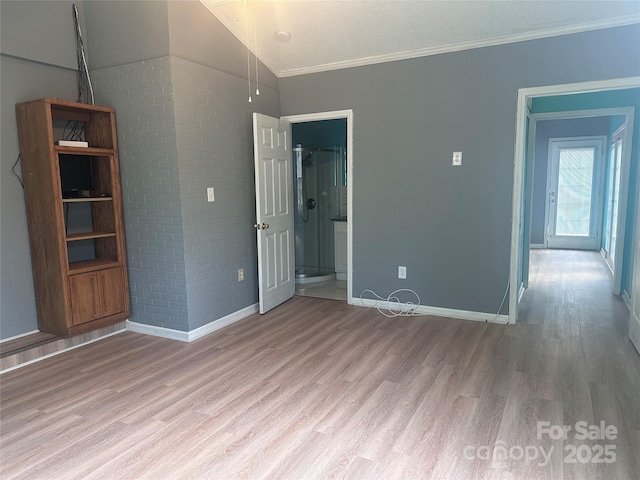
(211, 197)
(457, 159)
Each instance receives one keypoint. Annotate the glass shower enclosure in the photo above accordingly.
(320, 186)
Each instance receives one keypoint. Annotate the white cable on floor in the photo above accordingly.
(408, 309)
(503, 299)
(404, 309)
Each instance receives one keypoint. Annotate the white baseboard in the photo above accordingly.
(627, 299)
(437, 311)
(223, 322)
(634, 332)
(341, 276)
(193, 334)
(163, 332)
(8, 339)
(536, 245)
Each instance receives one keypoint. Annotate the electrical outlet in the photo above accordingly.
(457, 159)
(211, 197)
(241, 274)
(402, 272)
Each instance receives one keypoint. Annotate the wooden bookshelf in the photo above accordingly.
(73, 296)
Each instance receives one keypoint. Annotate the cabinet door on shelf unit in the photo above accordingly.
(96, 294)
(112, 295)
(85, 301)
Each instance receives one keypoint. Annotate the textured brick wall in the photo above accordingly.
(141, 93)
(183, 127)
(215, 149)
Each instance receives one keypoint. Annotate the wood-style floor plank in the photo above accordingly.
(320, 389)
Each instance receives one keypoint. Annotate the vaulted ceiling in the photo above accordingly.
(304, 36)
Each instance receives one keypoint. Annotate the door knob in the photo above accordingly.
(264, 226)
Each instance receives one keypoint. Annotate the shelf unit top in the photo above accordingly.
(59, 104)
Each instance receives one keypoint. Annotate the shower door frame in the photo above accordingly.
(338, 115)
(322, 271)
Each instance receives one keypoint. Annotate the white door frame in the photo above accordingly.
(599, 174)
(525, 95)
(336, 115)
(621, 134)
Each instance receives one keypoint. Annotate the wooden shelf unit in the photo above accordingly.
(73, 295)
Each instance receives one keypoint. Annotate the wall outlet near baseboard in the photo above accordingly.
(241, 274)
(402, 272)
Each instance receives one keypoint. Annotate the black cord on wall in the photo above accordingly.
(85, 89)
(74, 130)
(13, 170)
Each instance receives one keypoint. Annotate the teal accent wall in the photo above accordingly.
(629, 97)
(323, 133)
(616, 123)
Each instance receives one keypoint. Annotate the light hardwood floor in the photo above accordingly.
(318, 389)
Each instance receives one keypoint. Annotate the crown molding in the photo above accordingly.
(425, 52)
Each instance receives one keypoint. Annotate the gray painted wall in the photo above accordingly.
(40, 31)
(130, 31)
(545, 130)
(196, 34)
(126, 31)
(38, 52)
(450, 226)
(213, 123)
(183, 126)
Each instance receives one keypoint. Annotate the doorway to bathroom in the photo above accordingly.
(321, 201)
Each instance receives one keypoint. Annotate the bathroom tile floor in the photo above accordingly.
(332, 289)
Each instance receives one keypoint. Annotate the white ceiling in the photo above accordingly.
(326, 34)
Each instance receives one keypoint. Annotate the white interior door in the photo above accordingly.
(634, 321)
(274, 210)
(574, 194)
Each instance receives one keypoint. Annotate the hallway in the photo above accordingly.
(571, 290)
(588, 362)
